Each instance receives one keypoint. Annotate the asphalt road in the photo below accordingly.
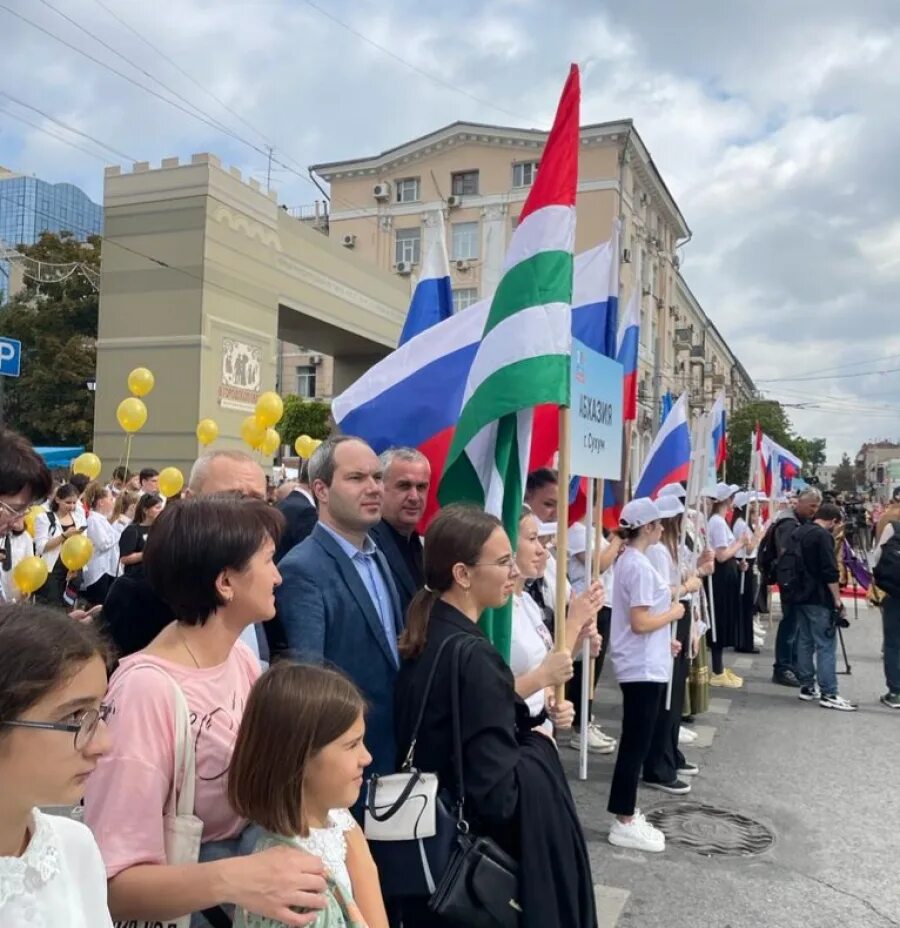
(827, 784)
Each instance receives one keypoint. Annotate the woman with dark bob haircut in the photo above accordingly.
(210, 561)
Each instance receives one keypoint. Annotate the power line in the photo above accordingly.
(889, 370)
(408, 64)
(840, 367)
(53, 135)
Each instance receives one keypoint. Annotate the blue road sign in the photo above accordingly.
(10, 357)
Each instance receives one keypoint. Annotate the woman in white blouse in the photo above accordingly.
(52, 734)
(62, 520)
(725, 586)
(745, 528)
(536, 666)
(103, 566)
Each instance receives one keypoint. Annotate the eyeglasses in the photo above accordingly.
(84, 729)
(14, 513)
(507, 563)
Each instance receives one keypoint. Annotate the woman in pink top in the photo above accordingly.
(210, 560)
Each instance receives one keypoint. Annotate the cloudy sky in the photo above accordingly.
(774, 123)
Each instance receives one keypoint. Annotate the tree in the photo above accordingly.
(844, 478)
(774, 421)
(304, 417)
(57, 325)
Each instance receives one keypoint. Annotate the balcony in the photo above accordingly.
(314, 215)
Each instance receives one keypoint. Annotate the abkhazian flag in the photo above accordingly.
(522, 360)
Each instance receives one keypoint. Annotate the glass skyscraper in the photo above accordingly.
(30, 206)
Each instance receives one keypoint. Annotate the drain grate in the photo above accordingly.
(708, 830)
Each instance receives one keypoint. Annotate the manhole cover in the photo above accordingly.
(709, 830)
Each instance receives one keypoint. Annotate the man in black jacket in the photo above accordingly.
(299, 511)
(407, 477)
(817, 608)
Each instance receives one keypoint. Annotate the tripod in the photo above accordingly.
(849, 669)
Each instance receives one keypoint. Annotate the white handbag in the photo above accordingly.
(182, 830)
(402, 806)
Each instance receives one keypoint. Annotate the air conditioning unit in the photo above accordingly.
(315, 359)
(404, 268)
(676, 262)
(381, 191)
(349, 240)
(645, 290)
(453, 201)
(463, 264)
(626, 256)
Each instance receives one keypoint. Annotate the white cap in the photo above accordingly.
(734, 487)
(741, 499)
(638, 512)
(546, 529)
(725, 491)
(672, 489)
(669, 506)
(709, 492)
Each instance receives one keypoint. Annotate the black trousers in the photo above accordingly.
(641, 706)
(573, 687)
(664, 757)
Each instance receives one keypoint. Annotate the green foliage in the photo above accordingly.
(844, 478)
(57, 325)
(773, 420)
(304, 417)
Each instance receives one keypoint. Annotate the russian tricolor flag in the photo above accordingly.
(669, 458)
(717, 418)
(432, 300)
(413, 396)
(627, 343)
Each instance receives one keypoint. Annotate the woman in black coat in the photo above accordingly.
(515, 788)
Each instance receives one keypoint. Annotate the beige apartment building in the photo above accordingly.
(477, 178)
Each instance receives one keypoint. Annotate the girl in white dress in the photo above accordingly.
(52, 733)
(297, 768)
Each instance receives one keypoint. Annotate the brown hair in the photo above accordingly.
(294, 711)
(124, 501)
(21, 466)
(672, 535)
(147, 501)
(63, 491)
(194, 541)
(94, 492)
(456, 536)
(40, 649)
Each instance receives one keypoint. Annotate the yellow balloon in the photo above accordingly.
(87, 464)
(253, 432)
(30, 574)
(269, 408)
(132, 414)
(271, 443)
(304, 446)
(30, 519)
(316, 443)
(141, 381)
(76, 552)
(171, 481)
(207, 431)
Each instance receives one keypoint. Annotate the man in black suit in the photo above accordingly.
(407, 477)
(299, 511)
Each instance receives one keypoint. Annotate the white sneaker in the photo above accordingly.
(758, 629)
(828, 701)
(638, 834)
(686, 736)
(759, 641)
(598, 742)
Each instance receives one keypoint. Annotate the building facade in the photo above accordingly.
(477, 178)
(30, 206)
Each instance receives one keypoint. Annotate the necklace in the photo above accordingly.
(186, 645)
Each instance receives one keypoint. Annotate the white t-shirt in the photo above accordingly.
(105, 539)
(531, 641)
(550, 581)
(59, 880)
(21, 546)
(718, 533)
(639, 658)
(577, 569)
(742, 530)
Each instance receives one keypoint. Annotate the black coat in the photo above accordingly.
(515, 788)
(301, 517)
(407, 583)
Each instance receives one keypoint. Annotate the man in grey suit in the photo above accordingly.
(337, 602)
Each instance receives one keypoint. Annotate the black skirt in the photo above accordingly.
(747, 599)
(726, 602)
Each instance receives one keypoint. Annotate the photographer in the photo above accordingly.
(810, 564)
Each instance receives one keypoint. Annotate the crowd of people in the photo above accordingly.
(223, 687)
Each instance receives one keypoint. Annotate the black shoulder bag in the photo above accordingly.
(480, 885)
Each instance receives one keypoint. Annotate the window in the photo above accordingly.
(464, 298)
(407, 189)
(464, 183)
(407, 245)
(524, 173)
(306, 381)
(465, 240)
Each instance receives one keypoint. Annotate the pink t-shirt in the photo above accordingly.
(126, 795)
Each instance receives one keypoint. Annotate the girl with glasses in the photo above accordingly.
(52, 733)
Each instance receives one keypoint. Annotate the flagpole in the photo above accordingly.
(704, 462)
(626, 477)
(562, 539)
(587, 665)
